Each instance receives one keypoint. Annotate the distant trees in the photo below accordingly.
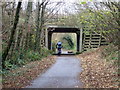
(69, 40)
(106, 20)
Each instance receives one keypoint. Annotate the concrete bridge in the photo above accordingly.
(84, 41)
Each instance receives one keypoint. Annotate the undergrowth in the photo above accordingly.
(29, 56)
(111, 52)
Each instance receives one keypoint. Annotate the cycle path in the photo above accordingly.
(63, 74)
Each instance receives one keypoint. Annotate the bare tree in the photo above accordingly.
(39, 23)
(5, 52)
(24, 32)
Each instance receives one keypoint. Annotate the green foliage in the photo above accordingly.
(83, 2)
(20, 62)
(54, 47)
(32, 56)
(28, 56)
(69, 44)
(45, 52)
(110, 53)
(9, 65)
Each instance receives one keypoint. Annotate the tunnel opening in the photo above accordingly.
(69, 42)
(51, 30)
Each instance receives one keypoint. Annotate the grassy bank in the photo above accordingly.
(19, 59)
(21, 69)
(100, 67)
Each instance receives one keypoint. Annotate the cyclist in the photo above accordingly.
(59, 46)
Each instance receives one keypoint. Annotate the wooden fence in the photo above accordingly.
(93, 40)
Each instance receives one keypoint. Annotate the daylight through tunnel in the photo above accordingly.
(51, 31)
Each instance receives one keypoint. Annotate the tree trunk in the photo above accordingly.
(37, 41)
(39, 28)
(29, 11)
(5, 53)
(42, 23)
(24, 31)
(19, 38)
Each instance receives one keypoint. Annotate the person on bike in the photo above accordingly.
(59, 46)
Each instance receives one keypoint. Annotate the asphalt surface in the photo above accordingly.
(63, 74)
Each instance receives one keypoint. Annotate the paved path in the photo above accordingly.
(63, 74)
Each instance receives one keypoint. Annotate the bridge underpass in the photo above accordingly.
(77, 31)
(84, 41)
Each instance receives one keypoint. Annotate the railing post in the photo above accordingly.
(78, 41)
(46, 37)
(81, 36)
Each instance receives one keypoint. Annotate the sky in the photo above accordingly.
(69, 4)
(67, 1)
(67, 7)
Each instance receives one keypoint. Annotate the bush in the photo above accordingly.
(110, 52)
(21, 62)
(54, 47)
(32, 56)
(46, 52)
(9, 66)
(28, 56)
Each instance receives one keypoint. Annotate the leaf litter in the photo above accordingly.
(97, 72)
(22, 76)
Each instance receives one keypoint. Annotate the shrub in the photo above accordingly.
(9, 66)
(45, 52)
(28, 56)
(54, 47)
(32, 56)
(110, 52)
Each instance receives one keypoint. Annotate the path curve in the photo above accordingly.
(63, 74)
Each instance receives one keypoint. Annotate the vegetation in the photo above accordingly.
(111, 53)
(101, 17)
(68, 41)
(22, 30)
(68, 44)
(29, 55)
(22, 27)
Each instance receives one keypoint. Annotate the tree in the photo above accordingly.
(37, 41)
(22, 42)
(5, 52)
(39, 24)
